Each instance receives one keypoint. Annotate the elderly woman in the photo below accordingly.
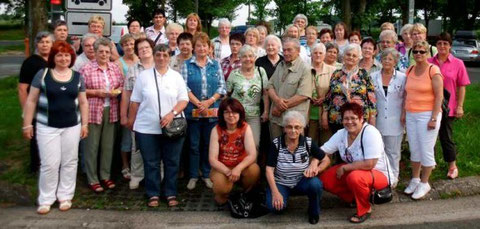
(30, 66)
(389, 91)
(262, 32)
(173, 31)
(232, 151)
(312, 39)
(418, 32)
(233, 62)
(341, 38)
(248, 85)
(321, 80)
(325, 35)
(159, 95)
(273, 45)
(388, 39)
(88, 51)
(251, 38)
(349, 84)
(292, 166)
(292, 31)
(221, 44)
(58, 115)
(184, 42)
(407, 41)
(104, 82)
(193, 24)
(129, 58)
(205, 88)
(455, 79)
(364, 166)
(355, 37)
(423, 105)
(96, 25)
(60, 30)
(301, 21)
(331, 56)
(368, 61)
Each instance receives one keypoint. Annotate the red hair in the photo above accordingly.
(355, 33)
(61, 46)
(354, 107)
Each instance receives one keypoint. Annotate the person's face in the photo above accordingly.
(88, 48)
(44, 46)
(129, 47)
(231, 117)
(407, 39)
(368, 50)
(293, 32)
(272, 47)
(192, 24)
(102, 55)
(235, 46)
(162, 59)
(317, 56)
(387, 42)
(419, 54)
(355, 39)
(202, 49)
(185, 47)
(251, 39)
(290, 51)
(339, 32)
(96, 28)
(62, 60)
(144, 50)
(159, 20)
(134, 27)
(443, 47)
(261, 37)
(388, 62)
(61, 33)
(172, 36)
(224, 30)
(325, 38)
(248, 60)
(331, 56)
(351, 122)
(417, 36)
(311, 36)
(301, 23)
(351, 58)
(293, 129)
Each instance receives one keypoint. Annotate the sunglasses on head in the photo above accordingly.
(419, 51)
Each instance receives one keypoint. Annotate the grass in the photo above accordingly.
(10, 48)
(12, 34)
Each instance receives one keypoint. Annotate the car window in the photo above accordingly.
(465, 42)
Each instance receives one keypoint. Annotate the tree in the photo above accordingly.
(38, 19)
(260, 13)
(137, 9)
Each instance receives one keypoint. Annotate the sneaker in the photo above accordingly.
(192, 183)
(421, 191)
(208, 182)
(134, 183)
(412, 186)
(126, 173)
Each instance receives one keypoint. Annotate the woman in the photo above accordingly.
(30, 66)
(325, 35)
(349, 84)
(184, 41)
(104, 82)
(193, 24)
(341, 38)
(388, 39)
(389, 91)
(159, 95)
(232, 61)
(423, 105)
(321, 80)
(355, 37)
(301, 21)
(419, 33)
(59, 114)
(269, 62)
(134, 27)
(60, 30)
(144, 50)
(290, 169)
(248, 85)
(455, 79)
(201, 112)
(331, 56)
(311, 37)
(232, 152)
(364, 166)
(368, 61)
(407, 43)
(262, 32)
(221, 44)
(251, 38)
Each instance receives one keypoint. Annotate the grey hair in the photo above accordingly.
(102, 41)
(88, 36)
(331, 45)
(301, 16)
(161, 48)
(320, 46)
(390, 51)
(389, 33)
(172, 26)
(224, 21)
(43, 34)
(285, 34)
(295, 41)
(263, 28)
(354, 47)
(275, 38)
(406, 28)
(293, 115)
(245, 49)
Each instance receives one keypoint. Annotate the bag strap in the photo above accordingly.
(363, 153)
(158, 37)
(158, 94)
(261, 79)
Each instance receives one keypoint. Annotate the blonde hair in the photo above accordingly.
(422, 44)
(196, 17)
(387, 26)
(254, 31)
(96, 19)
(419, 27)
(173, 26)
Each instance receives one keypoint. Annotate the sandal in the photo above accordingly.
(65, 205)
(172, 201)
(108, 183)
(43, 209)
(359, 219)
(153, 201)
(126, 173)
(452, 173)
(96, 187)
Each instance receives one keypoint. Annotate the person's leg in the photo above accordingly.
(221, 186)
(255, 125)
(136, 165)
(313, 130)
(284, 191)
(412, 126)
(70, 139)
(91, 152)
(149, 145)
(49, 142)
(126, 146)
(194, 138)
(427, 148)
(360, 182)
(170, 155)
(206, 130)
(446, 140)
(275, 130)
(34, 152)
(249, 176)
(336, 186)
(393, 145)
(107, 144)
(312, 187)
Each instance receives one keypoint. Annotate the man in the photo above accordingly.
(221, 43)
(156, 32)
(290, 86)
(232, 62)
(88, 51)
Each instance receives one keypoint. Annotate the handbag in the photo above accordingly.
(247, 205)
(383, 195)
(178, 127)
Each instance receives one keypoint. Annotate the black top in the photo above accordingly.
(385, 88)
(267, 65)
(30, 67)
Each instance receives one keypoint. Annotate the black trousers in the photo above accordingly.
(446, 139)
(34, 154)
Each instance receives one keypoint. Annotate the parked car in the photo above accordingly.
(466, 49)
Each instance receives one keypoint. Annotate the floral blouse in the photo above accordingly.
(360, 89)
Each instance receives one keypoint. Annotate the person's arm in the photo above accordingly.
(132, 114)
(115, 56)
(251, 157)
(304, 89)
(266, 106)
(124, 107)
(437, 84)
(213, 153)
(367, 164)
(83, 104)
(277, 198)
(371, 100)
(22, 93)
(460, 99)
(168, 118)
(296, 100)
(29, 112)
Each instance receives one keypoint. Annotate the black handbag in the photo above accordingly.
(383, 195)
(178, 127)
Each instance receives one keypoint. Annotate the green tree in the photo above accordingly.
(142, 10)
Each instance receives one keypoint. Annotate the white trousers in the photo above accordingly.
(421, 140)
(393, 147)
(58, 149)
(136, 162)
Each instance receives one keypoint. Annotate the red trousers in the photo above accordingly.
(354, 185)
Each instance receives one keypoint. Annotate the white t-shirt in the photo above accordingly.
(372, 145)
(172, 90)
(107, 87)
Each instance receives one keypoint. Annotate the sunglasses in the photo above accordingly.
(419, 51)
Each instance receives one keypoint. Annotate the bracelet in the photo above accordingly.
(27, 127)
(85, 125)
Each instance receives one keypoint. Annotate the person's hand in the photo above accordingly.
(28, 132)
(207, 103)
(227, 172)
(277, 200)
(324, 123)
(102, 93)
(281, 104)
(264, 116)
(200, 106)
(459, 112)
(403, 118)
(340, 172)
(276, 111)
(123, 120)
(235, 174)
(311, 171)
(431, 125)
(372, 120)
(84, 132)
(130, 124)
(166, 120)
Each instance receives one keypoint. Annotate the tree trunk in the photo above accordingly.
(347, 13)
(404, 10)
(38, 22)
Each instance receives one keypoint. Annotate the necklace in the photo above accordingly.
(61, 74)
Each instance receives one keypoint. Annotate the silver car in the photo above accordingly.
(467, 50)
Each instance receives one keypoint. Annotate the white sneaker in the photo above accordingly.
(421, 191)
(134, 183)
(208, 182)
(412, 186)
(192, 183)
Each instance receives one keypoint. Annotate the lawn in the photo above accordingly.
(4, 49)
(12, 34)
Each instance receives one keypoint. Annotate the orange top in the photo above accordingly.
(419, 88)
(232, 146)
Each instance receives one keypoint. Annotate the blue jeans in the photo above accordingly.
(199, 135)
(312, 187)
(156, 148)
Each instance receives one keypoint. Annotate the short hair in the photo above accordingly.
(254, 31)
(161, 48)
(390, 51)
(201, 37)
(294, 115)
(301, 16)
(354, 107)
(237, 37)
(386, 26)
(88, 36)
(245, 49)
(61, 46)
(224, 21)
(445, 36)
(331, 45)
(354, 47)
(369, 40)
(263, 28)
(325, 30)
(295, 41)
(157, 12)
(58, 23)
(355, 33)
(140, 40)
(275, 38)
(102, 41)
(389, 33)
(185, 37)
(314, 28)
(285, 34)
(172, 26)
(132, 21)
(96, 19)
(236, 107)
(406, 28)
(43, 34)
(320, 46)
(419, 27)
(125, 38)
(195, 16)
(422, 44)
(345, 34)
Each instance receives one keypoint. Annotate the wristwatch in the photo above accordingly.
(433, 120)
(175, 113)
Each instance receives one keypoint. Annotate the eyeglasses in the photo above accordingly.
(419, 51)
(289, 127)
(348, 119)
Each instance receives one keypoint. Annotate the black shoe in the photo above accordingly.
(313, 219)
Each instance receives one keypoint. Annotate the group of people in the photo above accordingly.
(256, 106)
